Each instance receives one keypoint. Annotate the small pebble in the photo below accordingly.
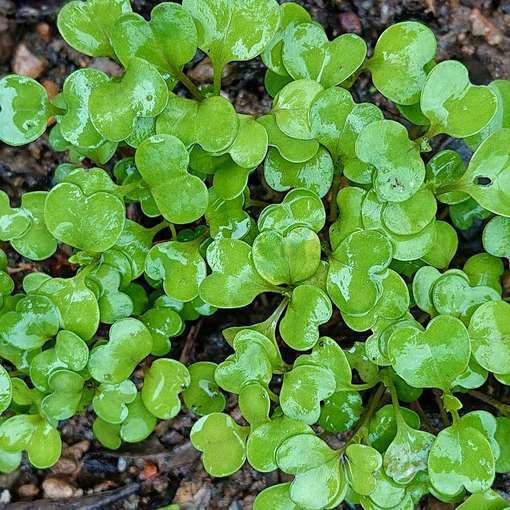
(349, 22)
(5, 497)
(28, 491)
(43, 31)
(121, 464)
(28, 64)
(58, 487)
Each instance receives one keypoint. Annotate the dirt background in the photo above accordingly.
(165, 468)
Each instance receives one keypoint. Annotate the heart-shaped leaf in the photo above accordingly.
(336, 122)
(461, 457)
(489, 330)
(299, 207)
(448, 97)
(33, 434)
(487, 177)
(66, 387)
(362, 462)
(434, 358)
(71, 350)
(15, 222)
(139, 423)
(163, 382)
(92, 223)
(114, 106)
(203, 395)
(34, 322)
(355, 276)
(234, 281)
(77, 304)
(110, 401)
(292, 105)
(86, 26)
(308, 55)
(341, 411)
(107, 434)
(289, 258)
(275, 497)
(290, 149)
(168, 40)
(213, 123)
(489, 500)
(318, 477)
(24, 110)
(222, 443)
(445, 168)
(316, 174)
(304, 387)
(309, 307)
(226, 31)
(163, 162)
(130, 342)
(447, 244)
(399, 62)
(275, 82)
(484, 269)
(400, 171)
(163, 323)
(36, 242)
(496, 237)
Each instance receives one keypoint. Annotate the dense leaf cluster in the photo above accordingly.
(385, 264)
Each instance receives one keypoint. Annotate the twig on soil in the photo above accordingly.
(192, 335)
(427, 424)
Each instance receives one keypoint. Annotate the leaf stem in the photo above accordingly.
(439, 402)
(218, 73)
(502, 408)
(173, 230)
(159, 227)
(128, 188)
(193, 89)
(257, 203)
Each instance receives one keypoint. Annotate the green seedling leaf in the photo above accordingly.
(286, 259)
(447, 98)
(168, 40)
(66, 387)
(276, 497)
(316, 174)
(107, 434)
(468, 213)
(75, 125)
(77, 304)
(213, 124)
(234, 281)
(489, 330)
(355, 276)
(222, 443)
(163, 382)
(291, 108)
(299, 207)
(485, 423)
(349, 201)
(250, 146)
(303, 389)
(24, 110)
(226, 31)
(275, 82)
(487, 177)
(290, 149)
(42, 365)
(180, 266)
(138, 296)
(496, 237)
(163, 162)
(9, 461)
(15, 222)
(308, 55)
(36, 243)
(362, 462)
(358, 360)
(145, 127)
(162, 323)
(130, 342)
(34, 322)
(230, 179)
(447, 244)
(264, 441)
(114, 106)
(291, 14)
(110, 401)
(341, 411)
(443, 169)
(254, 404)
(336, 122)
(139, 423)
(88, 222)
(309, 307)
(434, 358)
(5, 389)
(399, 62)
(400, 171)
(382, 429)
(33, 434)
(251, 362)
(474, 376)
(388, 494)
(227, 218)
(318, 477)
(87, 26)
(461, 457)
(501, 437)
(488, 500)
(71, 350)
(203, 395)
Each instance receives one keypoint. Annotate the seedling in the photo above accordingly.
(363, 236)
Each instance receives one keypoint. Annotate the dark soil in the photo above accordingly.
(165, 468)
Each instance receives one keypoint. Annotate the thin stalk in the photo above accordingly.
(257, 203)
(128, 188)
(444, 415)
(173, 230)
(193, 89)
(218, 73)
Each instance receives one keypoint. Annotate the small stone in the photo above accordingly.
(28, 64)
(203, 72)
(107, 65)
(349, 22)
(28, 491)
(65, 465)
(43, 30)
(7, 7)
(483, 27)
(121, 464)
(58, 487)
(77, 450)
(5, 497)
